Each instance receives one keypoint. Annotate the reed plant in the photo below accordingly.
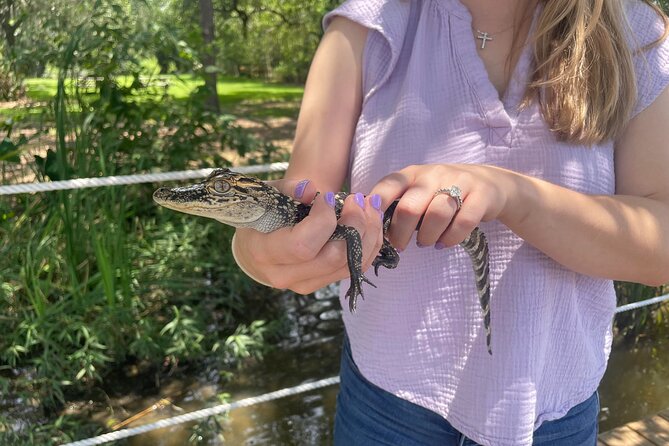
(94, 279)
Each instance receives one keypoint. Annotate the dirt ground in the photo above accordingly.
(276, 130)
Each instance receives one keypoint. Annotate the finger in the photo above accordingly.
(354, 214)
(331, 263)
(466, 219)
(392, 186)
(438, 216)
(329, 266)
(303, 191)
(409, 211)
(302, 242)
(359, 213)
(331, 257)
(373, 237)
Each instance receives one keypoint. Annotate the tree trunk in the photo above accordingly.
(6, 13)
(209, 54)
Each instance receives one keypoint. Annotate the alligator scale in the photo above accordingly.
(245, 202)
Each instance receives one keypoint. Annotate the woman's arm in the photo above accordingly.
(622, 237)
(300, 258)
(330, 108)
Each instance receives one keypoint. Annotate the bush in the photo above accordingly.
(97, 278)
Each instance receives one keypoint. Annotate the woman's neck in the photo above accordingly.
(500, 28)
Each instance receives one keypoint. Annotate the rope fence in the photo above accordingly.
(291, 391)
(205, 413)
(119, 180)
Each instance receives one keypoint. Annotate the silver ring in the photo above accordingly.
(455, 193)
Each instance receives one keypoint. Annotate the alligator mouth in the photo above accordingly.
(161, 195)
(164, 196)
(189, 200)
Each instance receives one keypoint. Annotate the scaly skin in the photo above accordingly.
(246, 202)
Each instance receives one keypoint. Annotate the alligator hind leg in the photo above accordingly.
(354, 258)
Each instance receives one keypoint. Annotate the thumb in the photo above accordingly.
(303, 191)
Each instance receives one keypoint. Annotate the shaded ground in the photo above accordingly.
(269, 121)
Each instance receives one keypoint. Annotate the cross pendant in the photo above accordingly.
(483, 37)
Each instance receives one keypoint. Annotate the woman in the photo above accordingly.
(550, 117)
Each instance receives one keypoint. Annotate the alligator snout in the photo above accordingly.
(162, 194)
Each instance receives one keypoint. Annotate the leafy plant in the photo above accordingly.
(97, 278)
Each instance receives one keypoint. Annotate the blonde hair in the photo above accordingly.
(584, 74)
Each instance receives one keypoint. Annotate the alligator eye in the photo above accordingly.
(221, 186)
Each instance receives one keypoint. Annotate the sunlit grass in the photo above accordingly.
(280, 100)
(230, 90)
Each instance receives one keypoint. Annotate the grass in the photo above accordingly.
(247, 98)
(231, 91)
(96, 279)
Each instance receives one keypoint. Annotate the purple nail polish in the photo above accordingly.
(360, 199)
(376, 201)
(300, 187)
(439, 245)
(330, 199)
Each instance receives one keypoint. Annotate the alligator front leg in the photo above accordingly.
(387, 257)
(354, 258)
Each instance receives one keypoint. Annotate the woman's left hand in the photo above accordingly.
(484, 191)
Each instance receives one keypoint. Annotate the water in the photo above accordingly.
(636, 385)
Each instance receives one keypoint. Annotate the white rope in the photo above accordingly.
(118, 180)
(643, 303)
(204, 413)
(188, 175)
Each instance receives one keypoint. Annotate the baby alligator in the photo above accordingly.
(246, 202)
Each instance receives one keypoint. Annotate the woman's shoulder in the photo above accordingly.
(379, 15)
(646, 23)
(650, 48)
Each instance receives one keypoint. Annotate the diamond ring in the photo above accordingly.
(454, 192)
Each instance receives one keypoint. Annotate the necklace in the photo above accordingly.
(485, 36)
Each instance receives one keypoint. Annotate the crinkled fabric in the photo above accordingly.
(427, 99)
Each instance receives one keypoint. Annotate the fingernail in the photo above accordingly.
(439, 245)
(419, 244)
(330, 199)
(300, 187)
(375, 200)
(360, 199)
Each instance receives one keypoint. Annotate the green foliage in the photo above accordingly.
(97, 278)
(10, 147)
(664, 4)
(646, 321)
(272, 39)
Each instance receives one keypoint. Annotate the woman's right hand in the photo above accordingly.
(300, 258)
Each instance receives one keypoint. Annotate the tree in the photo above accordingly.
(209, 54)
(9, 22)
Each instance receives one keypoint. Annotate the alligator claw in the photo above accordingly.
(355, 290)
(388, 257)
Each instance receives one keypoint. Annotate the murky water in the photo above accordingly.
(636, 385)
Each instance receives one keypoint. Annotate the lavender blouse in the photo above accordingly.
(419, 335)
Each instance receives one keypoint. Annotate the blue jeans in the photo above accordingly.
(368, 415)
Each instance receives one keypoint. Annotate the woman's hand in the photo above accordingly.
(484, 189)
(299, 257)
